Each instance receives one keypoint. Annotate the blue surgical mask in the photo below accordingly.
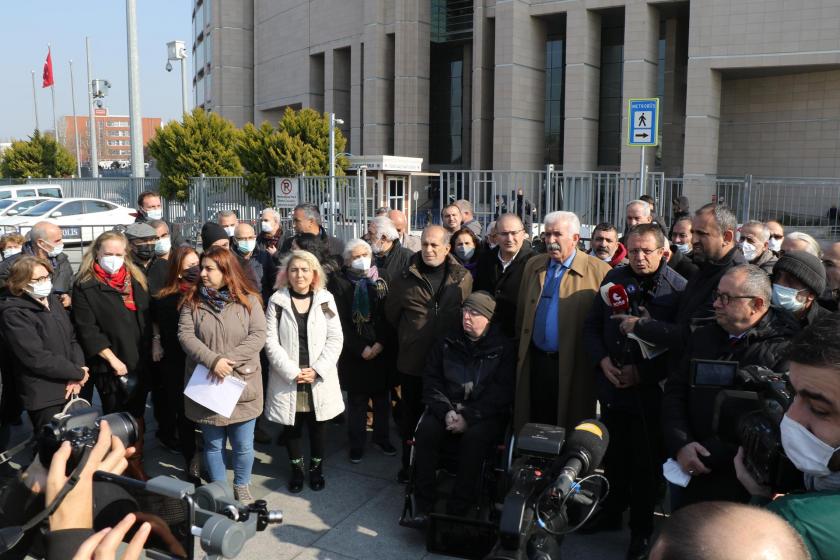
(154, 214)
(683, 248)
(246, 245)
(163, 245)
(465, 253)
(785, 298)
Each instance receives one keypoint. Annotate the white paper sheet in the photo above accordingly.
(220, 398)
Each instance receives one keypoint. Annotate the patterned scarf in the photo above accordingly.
(217, 299)
(361, 301)
(272, 240)
(120, 281)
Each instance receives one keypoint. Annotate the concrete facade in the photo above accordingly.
(747, 87)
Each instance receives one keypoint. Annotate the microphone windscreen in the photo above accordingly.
(619, 301)
(592, 436)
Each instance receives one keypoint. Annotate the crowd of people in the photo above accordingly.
(459, 334)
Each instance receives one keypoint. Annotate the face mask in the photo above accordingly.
(246, 245)
(229, 230)
(155, 214)
(191, 275)
(805, 450)
(785, 298)
(40, 289)
(56, 250)
(144, 252)
(111, 263)
(749, 250)
(11, 252)
(362, 263)
(465, 253)
(266, 227)
(775, 245)
(163, 245)
(683, 248)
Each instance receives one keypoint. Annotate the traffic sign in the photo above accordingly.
(286, 192)
(643, 126)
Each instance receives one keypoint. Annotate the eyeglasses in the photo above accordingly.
(646, 252)
(726, 298)
(509, 233)
(470, 312)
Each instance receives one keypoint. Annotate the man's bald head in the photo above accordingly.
(727, 531)
(244, 230)
(398, 219)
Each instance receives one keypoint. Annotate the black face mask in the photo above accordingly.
(191, 275)
(144, 252)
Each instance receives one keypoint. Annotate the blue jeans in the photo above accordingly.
(241, 437)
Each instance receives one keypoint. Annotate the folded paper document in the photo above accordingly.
(221, 398)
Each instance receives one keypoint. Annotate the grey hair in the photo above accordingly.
(724, 217)
(435, 227)
(383, 225)
(763, 230)
(756, 282)
(464, 206)
(569, 218)
(490, 229)
(227, 214)
(382, 211)
(354, 244)
(157, 223)
(272, 211)
(310, 211)
(645, 206)
(813, 246)
(39, 231)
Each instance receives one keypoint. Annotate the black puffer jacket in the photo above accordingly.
(43, 349)
(682, 263)
(394, 262)
(687, 411)
(479, 375)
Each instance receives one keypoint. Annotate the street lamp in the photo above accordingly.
(333, 121)
(176, 50)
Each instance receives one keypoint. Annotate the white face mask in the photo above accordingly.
(155, 214)
(749, 250)
(111, 263)
(785, 298)
(56, 250)
(362, 263)
(465, 253)
(775, 245)
(163, 245)
(40, 289)
(806, 451)
(229, 230)
(266, 226)
(683, 248)
(11, 252)
(246, 245)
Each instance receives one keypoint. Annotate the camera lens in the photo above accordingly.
(124, 426)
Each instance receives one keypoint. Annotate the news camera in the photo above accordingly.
(747, 410)
(554, 490)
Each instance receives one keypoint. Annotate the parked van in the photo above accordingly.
(46, 190)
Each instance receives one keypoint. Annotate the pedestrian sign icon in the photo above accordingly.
(644, 122)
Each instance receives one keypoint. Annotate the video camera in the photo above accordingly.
(535, 515)
(748, 405)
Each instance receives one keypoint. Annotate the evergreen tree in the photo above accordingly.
(40, 156)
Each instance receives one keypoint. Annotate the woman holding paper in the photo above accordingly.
(304, 340)
(222, 330)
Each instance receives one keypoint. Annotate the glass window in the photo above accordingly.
(5, 194)
(208, 87)
(446, 104)
(42, 208)
(611, 102)
(71, 208)
(555, 62)
(25, 192)
(92, 206)
(51, 192)
(6, 203)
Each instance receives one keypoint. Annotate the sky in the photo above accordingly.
(27, 26)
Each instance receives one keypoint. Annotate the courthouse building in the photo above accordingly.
(746, 86)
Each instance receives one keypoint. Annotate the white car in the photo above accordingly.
(81, 219)
(14, 206)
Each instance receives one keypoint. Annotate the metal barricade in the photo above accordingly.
(348, 207)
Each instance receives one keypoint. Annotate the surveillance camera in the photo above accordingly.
(169, 67)
(99, 103)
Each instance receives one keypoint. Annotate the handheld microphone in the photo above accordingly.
(618, 299)
(584, 451)
(633, 294)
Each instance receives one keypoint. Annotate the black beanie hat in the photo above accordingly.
(210, 233)
(805, 267)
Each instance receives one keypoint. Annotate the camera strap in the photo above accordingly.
(9, 453)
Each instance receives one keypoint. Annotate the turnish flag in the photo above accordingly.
(48, 72)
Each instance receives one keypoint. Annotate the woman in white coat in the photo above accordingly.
(304, 341)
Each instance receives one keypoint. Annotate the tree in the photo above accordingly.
(203, 143)
(300, 144)
(40, 156)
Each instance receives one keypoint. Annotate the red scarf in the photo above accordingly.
(120, 281)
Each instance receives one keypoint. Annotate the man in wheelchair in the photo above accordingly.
(468, 389)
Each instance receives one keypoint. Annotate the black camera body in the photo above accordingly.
(747, 410)
(81, 429)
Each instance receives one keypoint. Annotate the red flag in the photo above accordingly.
(48, 74)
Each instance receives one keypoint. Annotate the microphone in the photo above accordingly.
(618, 299)
(584, 451)
(633, 294)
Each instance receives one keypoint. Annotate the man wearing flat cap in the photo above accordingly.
(468, 391)
(141, 238)
(798, 280)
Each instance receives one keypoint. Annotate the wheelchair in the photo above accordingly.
(472, 535)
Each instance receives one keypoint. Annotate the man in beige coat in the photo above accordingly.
(554, 383)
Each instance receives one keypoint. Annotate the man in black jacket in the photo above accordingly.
(682, 250)
(628, 386)
(468, 390)
(150, 207)
(45, 242)
(500, 270)
(307, 219)
(389, 256)
(746, 330)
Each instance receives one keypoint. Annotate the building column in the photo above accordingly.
(519, 96)
(376, 117)
(411, 79)
(641, 54)
(583, 80)
(702, 128)
(481, 140)
(329, 81)
(356, 101)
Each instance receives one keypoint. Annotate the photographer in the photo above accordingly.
(628, 386)
(810, 433)
(746, 330)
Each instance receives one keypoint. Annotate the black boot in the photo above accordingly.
(316, 477)
(296, 481)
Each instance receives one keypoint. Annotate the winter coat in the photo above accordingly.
(207, 335)
(42, 347)
(478, 375)
(766, 261)
(682, 263)
(324, 342)
(503, 285)
(393, 263)
(62, 276)
(578, 287)
(687, 411)
(421, 314)
(602, 337)
(357, 375)
(814, 516)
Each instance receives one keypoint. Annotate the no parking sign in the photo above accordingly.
(286, 192)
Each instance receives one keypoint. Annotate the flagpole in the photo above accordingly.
(75, 122)
(35, 99)
(52, 91)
